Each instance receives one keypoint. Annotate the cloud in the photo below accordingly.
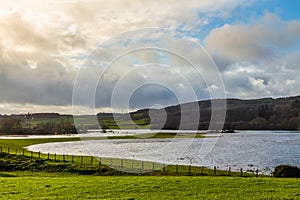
(259, 40)
(30, 70)
(272, 78)
(257, 58)
(43, 44)
(292, 61)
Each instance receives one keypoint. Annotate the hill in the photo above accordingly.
(253, 114)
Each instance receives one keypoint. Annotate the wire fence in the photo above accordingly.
(131, 165)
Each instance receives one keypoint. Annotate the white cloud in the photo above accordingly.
(43, 43)
(257, 58)
(264, 79)
(259, 40)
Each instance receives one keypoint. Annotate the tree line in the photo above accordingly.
(19, 124)
(257, 114)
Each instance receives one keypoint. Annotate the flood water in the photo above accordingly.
(249, 150)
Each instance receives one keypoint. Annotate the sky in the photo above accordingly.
(91, 56)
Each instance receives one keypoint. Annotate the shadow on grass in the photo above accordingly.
(6, 175)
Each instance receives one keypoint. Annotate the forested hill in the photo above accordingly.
(255, 114)
(268, 113)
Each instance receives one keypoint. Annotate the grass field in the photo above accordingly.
(89, 122)
(160, 135)
(59, 186)
(21, 143)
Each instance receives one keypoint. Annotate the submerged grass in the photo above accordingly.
(159, 135)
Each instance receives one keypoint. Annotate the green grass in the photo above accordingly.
(21, 143)
(41, 186)
(35, 121)
(89, 122)
(160, 135)
(102, 166)
(142, 123)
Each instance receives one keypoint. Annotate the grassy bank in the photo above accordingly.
(104, 166)
(22, 143)
(161, 135)
(39, 186)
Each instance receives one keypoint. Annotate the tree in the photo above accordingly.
(259, 123)
(43, 128)
(296, 104)
(294, 123)
(65, 127)
(287, 171)
(11, 125)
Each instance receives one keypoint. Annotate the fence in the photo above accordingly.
(130, 165)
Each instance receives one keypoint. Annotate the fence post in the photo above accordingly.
(164, 168)
(64, 158)
(39, 154)
(16, 151)
(229, 170)
(202, 170)
(31, 154)
(91, 160)
(72, 159)
(215, 170)
(23, 153)
(1, 149)
(48, 156)
(8, 150)
(153, 167)
(256, 172)
(81, 160)
(241, 171)
(177, 168)
(189, 168)
(55, 157)
(100, 161)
